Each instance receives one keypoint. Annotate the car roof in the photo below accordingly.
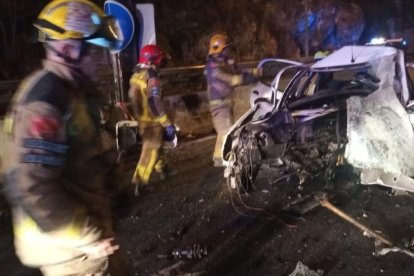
(353, 57)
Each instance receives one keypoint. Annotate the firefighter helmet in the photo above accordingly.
(218, 43)
(77, 19)
(152, 54)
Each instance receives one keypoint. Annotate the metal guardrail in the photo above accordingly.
(176, 81)
(198, 68)
(187, 80)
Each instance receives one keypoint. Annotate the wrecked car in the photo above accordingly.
(352, 107)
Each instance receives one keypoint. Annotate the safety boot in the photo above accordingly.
(139, 187)
(217, 162)
(162, 169)
(164, 172)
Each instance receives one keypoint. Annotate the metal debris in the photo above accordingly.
(194, 252)
(171, 270)
(387, 250)
(303, 270)
(379, 239)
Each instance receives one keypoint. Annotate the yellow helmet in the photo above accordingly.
(76, 19)
(218, 43)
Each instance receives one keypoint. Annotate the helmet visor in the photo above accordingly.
(107, 35)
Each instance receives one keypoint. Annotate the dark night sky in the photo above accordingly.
(19, 53)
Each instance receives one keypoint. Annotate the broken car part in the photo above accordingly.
(352, 107)
(194, 252)
(322, 197)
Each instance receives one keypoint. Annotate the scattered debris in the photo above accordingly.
(171, 270)
(379, 239)
(194, 252)
(325, 203)
(398, 192)
(387, 250)
(304, 204)
(303, 270)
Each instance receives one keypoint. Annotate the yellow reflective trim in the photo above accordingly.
(145, 112)
(220, 101)
(236, 80)
(159, 165)
(147, 119)
(148, 170)
(139, 172)
(163, 118)
(151, 164)
(140, 80)
(27, 228)
(137, 80)
(8, 125)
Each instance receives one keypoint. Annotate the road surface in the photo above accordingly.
(248, 235)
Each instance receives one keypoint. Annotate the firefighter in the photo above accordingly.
(223, 75)
(320, 55)
(54, 175)
(153, 123)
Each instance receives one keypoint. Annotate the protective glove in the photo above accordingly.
(100, 248)
(257, 72)
(169, 133)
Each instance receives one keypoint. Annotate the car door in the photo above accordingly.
(262, 91)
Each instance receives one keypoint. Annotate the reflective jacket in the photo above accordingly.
(146, 98)
(221, 78)
(54, 173)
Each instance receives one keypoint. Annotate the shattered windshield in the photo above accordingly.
(312, 84)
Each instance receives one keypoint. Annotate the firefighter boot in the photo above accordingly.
(163, 169)
(140, 186)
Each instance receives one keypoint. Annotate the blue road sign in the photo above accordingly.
(124, 21)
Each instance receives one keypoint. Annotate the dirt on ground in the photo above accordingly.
(193, 224)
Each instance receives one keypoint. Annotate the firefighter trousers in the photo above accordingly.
(151, 152)
(222, 116)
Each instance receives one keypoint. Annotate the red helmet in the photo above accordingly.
(151, 54)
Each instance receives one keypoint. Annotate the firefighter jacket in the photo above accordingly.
(54, 174)
(222, 78)
(146, 98)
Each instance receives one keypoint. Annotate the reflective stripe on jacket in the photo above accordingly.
(146, 98)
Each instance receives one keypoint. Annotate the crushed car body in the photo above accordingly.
(351, 107)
